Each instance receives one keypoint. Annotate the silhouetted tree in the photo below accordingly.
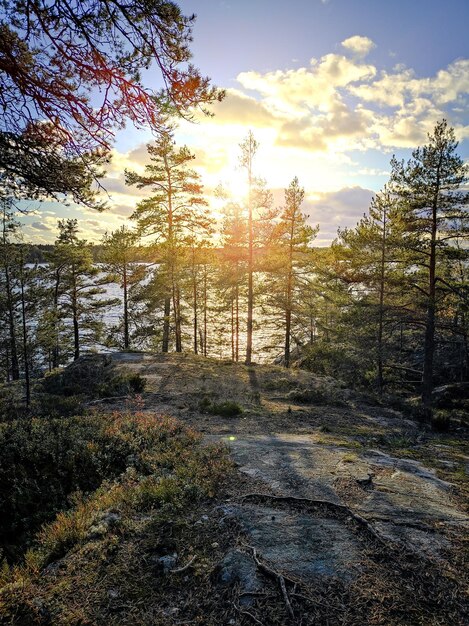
(119, 256)
(175, 212)
(434, 215)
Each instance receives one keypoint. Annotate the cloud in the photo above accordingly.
(358, 45)
(138, 156)
(315, 87)
(122, 209)
(40, 226)
(238, 108)
(331, 210)
(316, 122)
(340, 103)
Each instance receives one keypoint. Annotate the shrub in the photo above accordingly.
(53, 405)
(336, 361)
(121, 384)
(308, 395)
(119, 461)
(440, 421)
(12, 405)
(45, 461)
(228, 408)
(93, 376)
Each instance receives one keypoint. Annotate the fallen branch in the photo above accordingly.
(316, 602)
(244, 612)
(183, 569)
(281, 581)
(283, 587)
(109, 399)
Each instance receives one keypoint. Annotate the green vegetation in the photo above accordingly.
(369, 311)
(148, 460)
(228, 408)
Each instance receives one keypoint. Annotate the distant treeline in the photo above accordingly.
(38, 252)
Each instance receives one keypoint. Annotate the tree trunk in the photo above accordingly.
(76, 338)
(76, 333)
(177, 318)
(55, 352)
(126, 312)
(232, 331)
(166, 320)
(15, 368)
(205, 311)
(25, 341)
(26, 355)
(287, 337)
(381, 305)
(194, 297)
(429, 346)
(250, 280)
(288, 308)
(237, 325)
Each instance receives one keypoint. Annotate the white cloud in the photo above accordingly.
(309, 122)
(358, 45)
(289, 92)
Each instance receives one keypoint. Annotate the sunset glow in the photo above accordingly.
(337, 98)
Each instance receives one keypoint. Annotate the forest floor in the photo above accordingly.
(302, 502)
(353, 513)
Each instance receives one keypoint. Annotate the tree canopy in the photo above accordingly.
(71, 74)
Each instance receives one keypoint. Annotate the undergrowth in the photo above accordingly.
(161, 470)
(44, 462)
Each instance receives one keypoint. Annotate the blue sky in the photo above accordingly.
(331, 89)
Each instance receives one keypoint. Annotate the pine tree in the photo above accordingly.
(77, 286)
(291, 244)
(119, 258)
(232, 269)
(9, 265)
(370, 262)
(174, 212)
(77, 66)
(434, 216)
(249, 148)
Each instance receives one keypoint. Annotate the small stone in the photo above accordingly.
(167, 562)
(215, 544)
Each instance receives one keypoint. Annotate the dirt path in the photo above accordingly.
(350, 480)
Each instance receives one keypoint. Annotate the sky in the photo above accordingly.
(331, 90)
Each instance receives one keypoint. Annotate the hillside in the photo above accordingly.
(332, 510)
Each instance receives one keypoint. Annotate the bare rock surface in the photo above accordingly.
(303, 437)
(299, 544)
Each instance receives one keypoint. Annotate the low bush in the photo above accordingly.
(227, 408)
(441, 420)
(12, 405)
(93, 376)
(306, 396)
(52, 405)
(170, 473)
(44, 461)
(121, 384)
(336, 361)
